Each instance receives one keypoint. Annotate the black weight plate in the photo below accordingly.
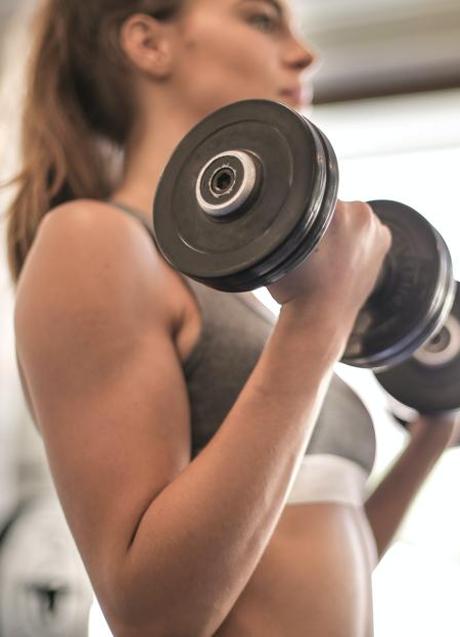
(303, 239)
(415, 297)
(293, 182)
(428, 388)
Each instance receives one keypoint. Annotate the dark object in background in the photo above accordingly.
(44, 588)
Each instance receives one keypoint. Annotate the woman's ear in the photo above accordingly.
(146, 42)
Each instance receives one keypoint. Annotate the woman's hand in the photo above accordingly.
(344, 267)
(443, 429)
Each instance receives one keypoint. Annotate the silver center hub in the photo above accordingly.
(222, 182)
(443, 348)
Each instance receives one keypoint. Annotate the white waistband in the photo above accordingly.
(328, 478)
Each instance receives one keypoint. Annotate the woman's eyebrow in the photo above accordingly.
(273, 3)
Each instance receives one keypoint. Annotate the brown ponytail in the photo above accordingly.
(77, 106)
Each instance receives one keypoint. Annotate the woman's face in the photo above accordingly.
(230, 50)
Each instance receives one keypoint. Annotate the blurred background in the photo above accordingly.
(388, 97)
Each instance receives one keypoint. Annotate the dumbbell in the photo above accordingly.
(429, 381)
(250, 192)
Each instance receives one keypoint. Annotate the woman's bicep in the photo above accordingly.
(109, 396)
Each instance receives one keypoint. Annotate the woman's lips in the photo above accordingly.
(297, 95)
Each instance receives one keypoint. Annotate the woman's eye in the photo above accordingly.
(263, 21)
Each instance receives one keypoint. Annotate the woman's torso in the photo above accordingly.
(315, 575)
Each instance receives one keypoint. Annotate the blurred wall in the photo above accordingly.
(383, 47)
(23, 470)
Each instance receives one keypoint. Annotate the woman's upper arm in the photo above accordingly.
(94, 339)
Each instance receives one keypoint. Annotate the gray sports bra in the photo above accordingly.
(235, 328)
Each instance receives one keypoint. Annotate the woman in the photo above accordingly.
(180, 498)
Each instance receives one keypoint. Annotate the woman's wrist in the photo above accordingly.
(318, 321)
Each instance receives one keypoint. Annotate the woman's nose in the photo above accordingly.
(299, 54)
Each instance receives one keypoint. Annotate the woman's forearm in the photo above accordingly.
(388, 504)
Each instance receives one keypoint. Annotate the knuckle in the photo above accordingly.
(366, 210)
(340, 210)
(362, 211)
(388, 236)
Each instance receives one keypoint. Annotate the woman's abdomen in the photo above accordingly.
(313, 579)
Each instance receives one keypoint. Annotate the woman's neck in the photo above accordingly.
(146, 155)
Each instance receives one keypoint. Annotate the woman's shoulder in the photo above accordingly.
(89, 248)
(83, 215)
(85, 227)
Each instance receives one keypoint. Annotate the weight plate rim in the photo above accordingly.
(316, 233)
